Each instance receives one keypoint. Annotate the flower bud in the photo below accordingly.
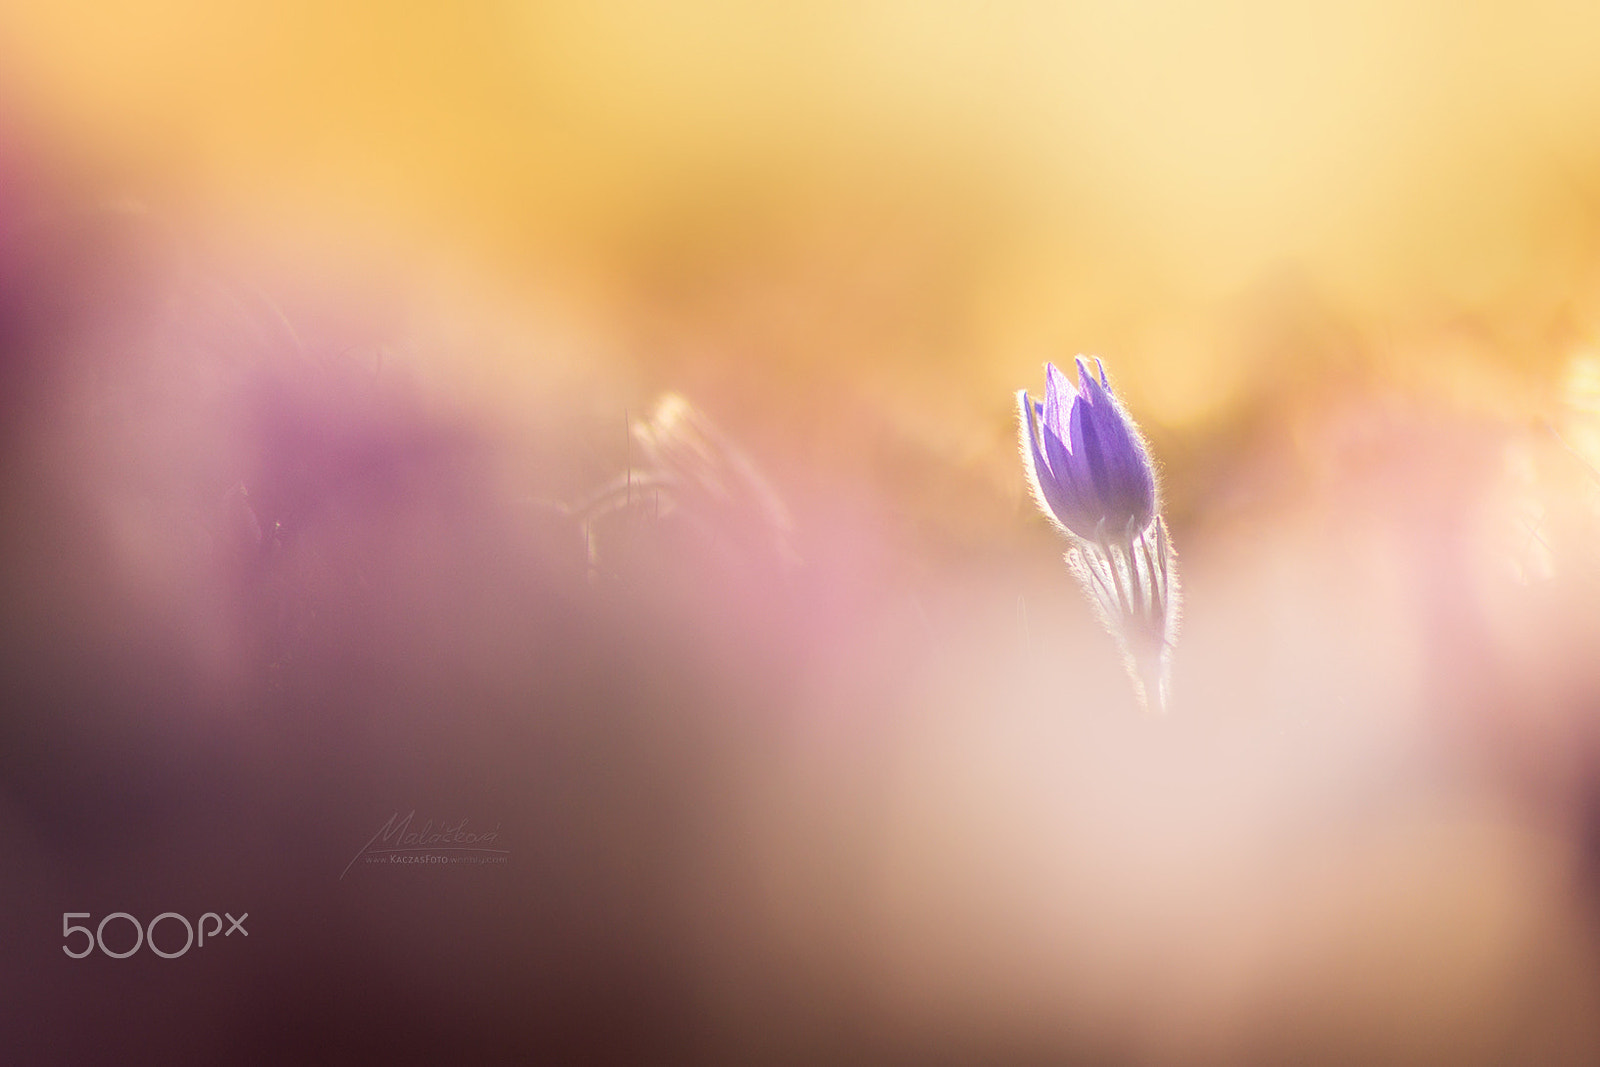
(1085, 458)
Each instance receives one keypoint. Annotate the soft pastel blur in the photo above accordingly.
(403, 275)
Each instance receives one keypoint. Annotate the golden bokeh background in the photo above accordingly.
(1342, 262)
(954, 191)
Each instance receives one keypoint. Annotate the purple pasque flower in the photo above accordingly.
(1085, 458)
(1091, 474)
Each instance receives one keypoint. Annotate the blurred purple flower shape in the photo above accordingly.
(1085, 459)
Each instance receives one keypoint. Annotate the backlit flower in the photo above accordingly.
(1087, 463)
(1091, 474)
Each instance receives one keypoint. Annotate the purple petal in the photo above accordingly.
(1059, 395)
(1114, 458)
(1060, 400)
(1059, 496)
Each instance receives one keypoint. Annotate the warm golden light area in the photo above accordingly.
(600, 421)
(1013, 178)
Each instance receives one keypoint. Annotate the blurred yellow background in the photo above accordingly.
(1155, 151)
(922, 200)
